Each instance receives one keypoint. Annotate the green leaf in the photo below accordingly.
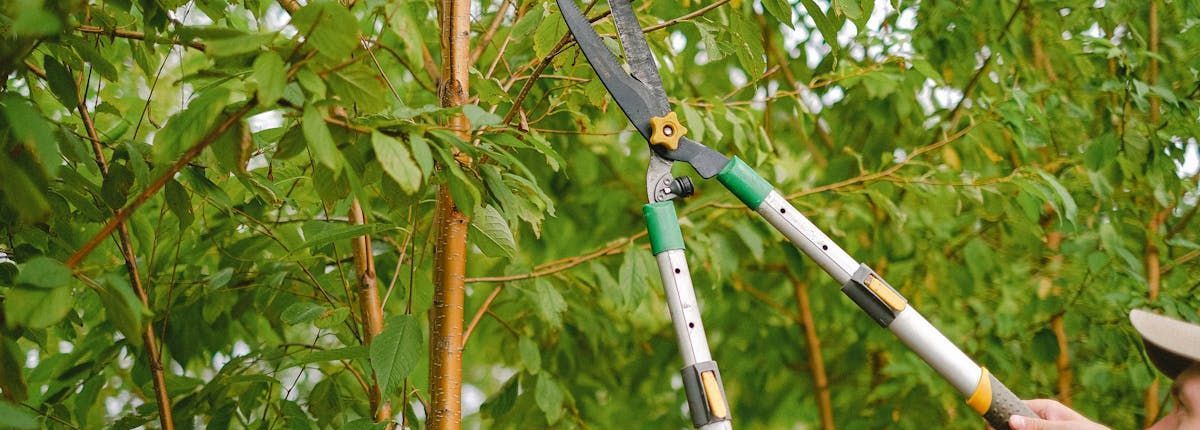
(824, 25)
(43, 272)
(422, 153)
(633, 276)
(62, 83)
(301, 312)
(396, 351)
(332, 318)
(122, 307)
(747, 43)
(16, 417)
(492, 234)
(237, 45)
(329, 26)
(269, 74)
(849, 8)
(187, 127)
(92, 56)
(499, 404)
(361, 86)
(12, 376)
(296, 418)
(548, 302)
(1069, 209)
(406, 25)
(480, 118)
(549, 398)
(325, 402)
(396, 161)
(548, 34)
(353, 352)
(320, 142)
(781, 10)
(531, 357)
(179, 203)
(332, 232)
(33, 132)
(36, 307)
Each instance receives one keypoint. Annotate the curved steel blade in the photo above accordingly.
(637, 53)
(632, 96)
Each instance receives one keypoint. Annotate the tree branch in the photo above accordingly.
(369, 305)
(124, 213)
(153, 353)
(815, 359)
(126, 34)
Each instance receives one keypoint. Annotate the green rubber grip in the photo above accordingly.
(744, 183)
(663, 226)
(1004, 404)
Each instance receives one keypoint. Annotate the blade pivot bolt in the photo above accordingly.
(666, 131)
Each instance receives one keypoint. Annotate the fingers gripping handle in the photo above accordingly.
(996, 403)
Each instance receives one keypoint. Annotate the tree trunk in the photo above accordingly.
(450, 259)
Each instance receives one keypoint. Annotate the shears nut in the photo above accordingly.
(666, 131)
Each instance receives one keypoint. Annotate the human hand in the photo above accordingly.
(1052, 415)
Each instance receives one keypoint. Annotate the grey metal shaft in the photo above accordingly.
(924, 339)
(806, 236)
(912, 328)
(685, 314)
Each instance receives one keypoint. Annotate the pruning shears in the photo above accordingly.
(640, 95)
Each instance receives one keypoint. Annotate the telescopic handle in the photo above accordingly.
(701, 378)
(986, 395)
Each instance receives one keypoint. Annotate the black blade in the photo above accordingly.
(632, 96)
(637, 53)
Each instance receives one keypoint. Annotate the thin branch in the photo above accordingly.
(815, 359)
(487, 303)
(563, 264)
(124, 213)
(369, 305)
(696, 14)
(486, 39)
(162, 398)
(126, 34)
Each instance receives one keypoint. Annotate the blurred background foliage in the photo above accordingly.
(1024, 171)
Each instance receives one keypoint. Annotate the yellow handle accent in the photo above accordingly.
(981, 399)
(887, 294)
(712, 390)
(666, 131)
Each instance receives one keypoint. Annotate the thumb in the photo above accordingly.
(1018, 422)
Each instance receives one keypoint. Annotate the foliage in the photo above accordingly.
(855, 108)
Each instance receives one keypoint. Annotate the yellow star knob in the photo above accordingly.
(666, 131)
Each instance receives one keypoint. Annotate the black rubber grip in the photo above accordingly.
(1004, 405)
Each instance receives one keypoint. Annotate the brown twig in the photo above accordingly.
(486, 38)
(563, 264)
(487, 304)
(135, 35)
